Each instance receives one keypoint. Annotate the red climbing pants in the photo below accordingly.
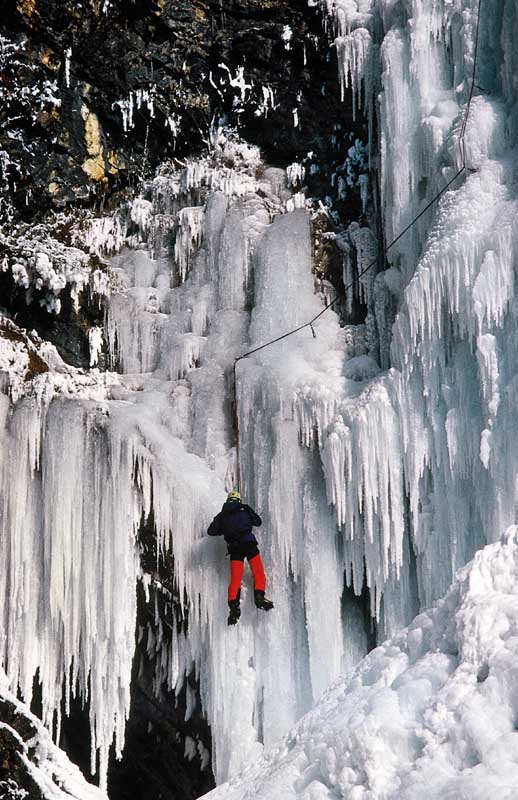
(237, 566)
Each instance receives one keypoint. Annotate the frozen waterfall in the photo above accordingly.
(88, 463)
(386, 481)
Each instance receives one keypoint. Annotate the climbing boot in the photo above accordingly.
(234, 612)
(261, 601)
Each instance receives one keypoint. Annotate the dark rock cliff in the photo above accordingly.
(96, 93)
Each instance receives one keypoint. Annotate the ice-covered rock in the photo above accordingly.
(32, 765)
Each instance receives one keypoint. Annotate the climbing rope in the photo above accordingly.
(435, 199)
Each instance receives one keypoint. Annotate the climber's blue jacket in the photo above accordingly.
(235, 522)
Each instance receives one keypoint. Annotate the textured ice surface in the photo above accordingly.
(160, 435)
(430, 713)
(435, 427)
(203, 325)
(438, 427)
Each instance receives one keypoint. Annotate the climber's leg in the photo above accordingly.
(236, 576)
(234, 611)
(257, 567)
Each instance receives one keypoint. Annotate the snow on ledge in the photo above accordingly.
(430, 713)
(30, 366)
(48, 766)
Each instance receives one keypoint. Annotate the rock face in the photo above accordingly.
(95, 94)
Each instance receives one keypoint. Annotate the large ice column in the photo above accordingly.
(280, 663)
(304, 642)
(269, 685)
(77, 478)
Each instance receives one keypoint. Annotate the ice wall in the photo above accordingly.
(249, 280)
(435, 428)
(77, 477)
(210, 267)
(430, 713)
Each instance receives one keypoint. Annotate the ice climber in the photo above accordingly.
(235, 522)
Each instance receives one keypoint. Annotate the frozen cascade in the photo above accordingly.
(392, 478)
(100, 460)
(160, 436)
(437, 429)
(439, 414)
(239, 260)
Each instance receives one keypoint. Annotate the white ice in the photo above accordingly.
(430, 713)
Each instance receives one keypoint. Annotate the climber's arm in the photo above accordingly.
(255, 518)
(214, 528)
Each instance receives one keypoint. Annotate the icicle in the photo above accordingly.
(95, 341)
(188, 238)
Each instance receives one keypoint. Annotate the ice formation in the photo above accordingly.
(38, 260)
(430, 713)
(439, 411)
(380, 456)
(48, 766)
(114, 447)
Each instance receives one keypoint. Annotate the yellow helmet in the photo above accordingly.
(234, 496)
